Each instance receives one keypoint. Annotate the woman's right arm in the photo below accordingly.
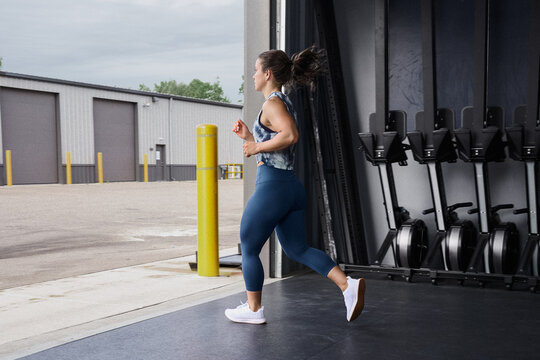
(241, 129)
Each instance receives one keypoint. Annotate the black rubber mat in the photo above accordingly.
(306, 320)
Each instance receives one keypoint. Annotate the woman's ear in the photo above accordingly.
(268, 74)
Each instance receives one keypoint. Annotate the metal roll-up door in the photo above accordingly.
(114, 134)
(29, 130)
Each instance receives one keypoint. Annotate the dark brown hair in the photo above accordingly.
(300, 69)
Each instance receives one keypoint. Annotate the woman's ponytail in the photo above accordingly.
(301, 69)
(305, 66)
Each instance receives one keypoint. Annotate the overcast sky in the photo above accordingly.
(125, 43)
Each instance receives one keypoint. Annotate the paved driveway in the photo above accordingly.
(51, 232)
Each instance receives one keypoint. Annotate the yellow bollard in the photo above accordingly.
(9, 171)
(207, 201)
(68, 168)
(145, 167)
(100, 167)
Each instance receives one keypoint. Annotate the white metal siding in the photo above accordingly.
(77, 133)
(153, 127)
(186, 117)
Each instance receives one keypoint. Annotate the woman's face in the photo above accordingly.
(260, 76)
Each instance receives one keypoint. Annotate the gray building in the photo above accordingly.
(42, 119)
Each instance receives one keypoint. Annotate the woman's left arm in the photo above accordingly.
(275, 117)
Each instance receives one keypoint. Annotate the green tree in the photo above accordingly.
(241, 89)
(0, 63)
(143, 87)
(196, 89)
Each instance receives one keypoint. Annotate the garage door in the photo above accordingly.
(114, 132)
(29, 131)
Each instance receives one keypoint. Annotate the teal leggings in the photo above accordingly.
(278, 203)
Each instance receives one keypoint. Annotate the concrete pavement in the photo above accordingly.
(52, 232)
(82, 259)
(40, 316)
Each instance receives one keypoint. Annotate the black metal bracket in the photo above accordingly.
(434, 275)
(442, 147)
(386, 147)
(386, 245)
(482, 144)
(525, 260)
(523, 143)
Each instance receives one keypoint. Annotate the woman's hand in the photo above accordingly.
(241, 129)
(251, 148)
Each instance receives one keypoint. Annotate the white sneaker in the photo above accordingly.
(354, 297)
(243, 314)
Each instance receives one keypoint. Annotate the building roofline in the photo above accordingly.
(116, 89)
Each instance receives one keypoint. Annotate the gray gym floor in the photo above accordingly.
(306, 320)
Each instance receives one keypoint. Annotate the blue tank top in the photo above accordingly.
(281, 159)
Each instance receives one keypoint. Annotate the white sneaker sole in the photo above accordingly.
(247, 321)
(359, 301)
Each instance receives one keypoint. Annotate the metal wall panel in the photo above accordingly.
(114, 132)
(184, 172)
(185, 118)
(256, 40)
(29, 130)
(153, 127)
(80, 174)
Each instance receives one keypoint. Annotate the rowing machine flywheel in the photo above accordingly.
(411, 243)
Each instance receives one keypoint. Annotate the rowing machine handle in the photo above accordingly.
(450, 208)
(496, 208)
(459, 205)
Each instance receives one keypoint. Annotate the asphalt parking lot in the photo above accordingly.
(52, 232)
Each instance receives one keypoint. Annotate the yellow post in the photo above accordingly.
(68, 168)
(207, 201)
(9, 171)
(145, 167)
(100, 167)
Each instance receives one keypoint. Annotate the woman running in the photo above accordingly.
(279, 199)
